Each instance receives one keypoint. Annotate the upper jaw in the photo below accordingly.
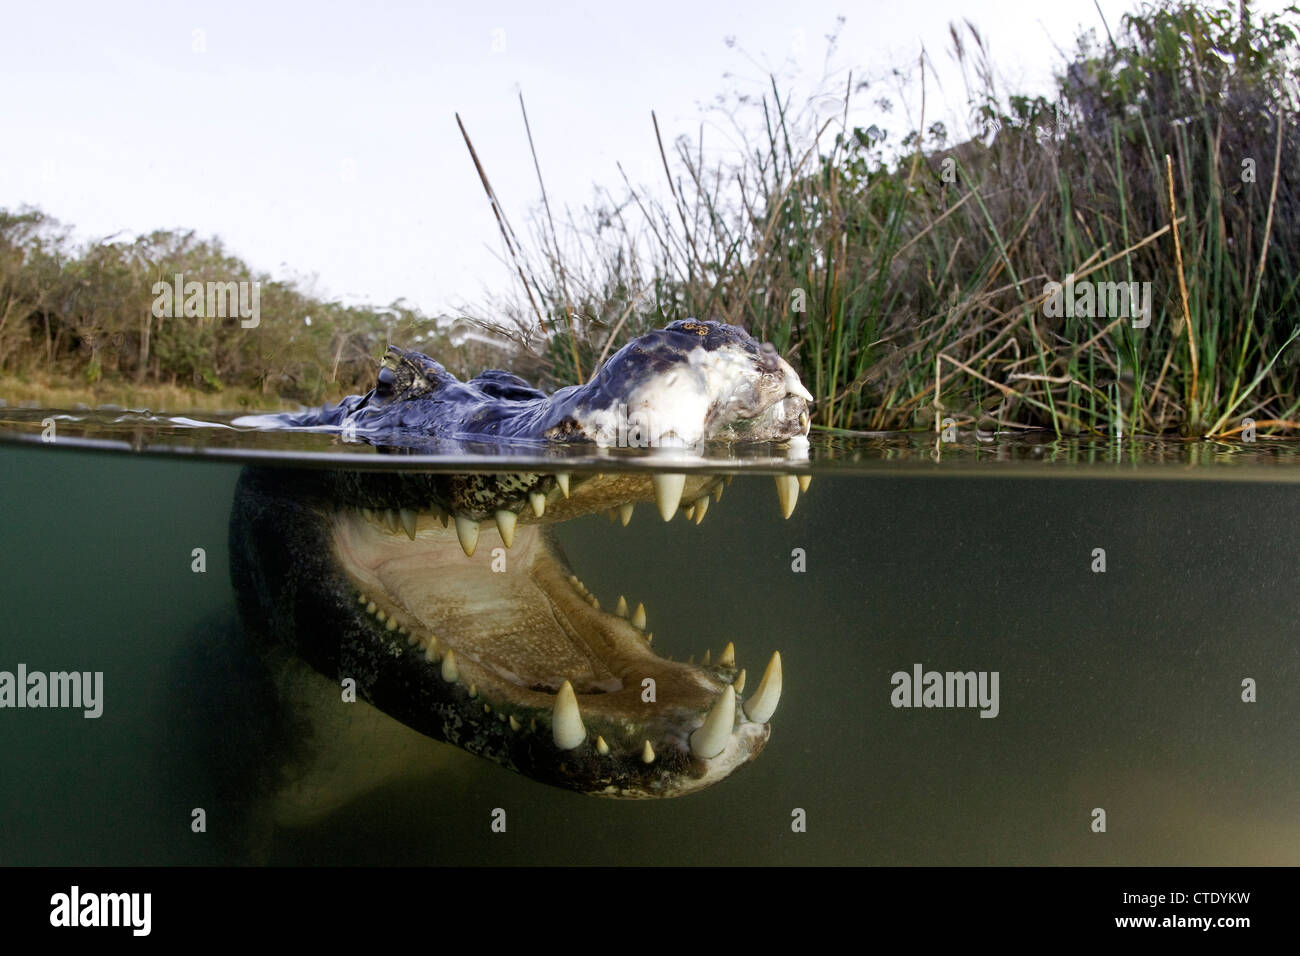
(725, 393)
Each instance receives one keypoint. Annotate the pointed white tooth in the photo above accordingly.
(594, 603)
(467, 531)
(612, 515)
(763, 704)
(431, 649)
(538, 501)
(506, 525)
(362, 599)
(392, 624)
(370, 607)
(562, 479)
(728, 656)
(638, 617)
(717, 491)
(450, 672)
(804, 482)
(787, 492)
(712, 736)
(381, 616)
(690, 513)
(647, 753)
(668, 494)
(566, 722)
(391, 520)
(435, 509)
(701, 506)
(621, 608)
(473, 689)
(728, 479)
(792, 383)
(650, 639)
(625, 513)
(704, 661)
(602, 748)
(739, 682)
(805, 422)
(515, 725)
(408, 522)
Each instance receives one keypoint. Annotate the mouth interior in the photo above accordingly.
(520, 624)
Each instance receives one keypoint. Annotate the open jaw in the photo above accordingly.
(445, 598)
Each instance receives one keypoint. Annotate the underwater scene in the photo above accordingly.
(227, 645)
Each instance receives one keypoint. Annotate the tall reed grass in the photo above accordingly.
(913, 287)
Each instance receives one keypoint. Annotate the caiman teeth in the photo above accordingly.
(712, 736)
(739, 682)
(704, 661)
(566, 722)
(638, 617)
(762, 705)
(787, 492)
(467, 532)
(625, 513)
(701, 506)
(408, 518)
(647, 753)
(621, 608)
(391, 520)
(562, 479)
(602, 748)
(668, 494)
(804, 482)
(506, 525)
(538, 501)
(450, 673)
(728, 656)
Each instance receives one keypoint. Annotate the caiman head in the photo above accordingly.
(679, 386)
(444, 598)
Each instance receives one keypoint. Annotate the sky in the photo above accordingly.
(318, 141)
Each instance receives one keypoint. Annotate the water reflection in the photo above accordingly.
(966, 449)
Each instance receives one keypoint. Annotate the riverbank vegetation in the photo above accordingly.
(911, 275)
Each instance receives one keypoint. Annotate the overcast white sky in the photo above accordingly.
(319, 138)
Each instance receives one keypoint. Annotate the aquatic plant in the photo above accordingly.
(913, 287)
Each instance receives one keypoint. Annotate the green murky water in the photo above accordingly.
(1120, 690)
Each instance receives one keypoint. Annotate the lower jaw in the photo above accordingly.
(459, 697)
